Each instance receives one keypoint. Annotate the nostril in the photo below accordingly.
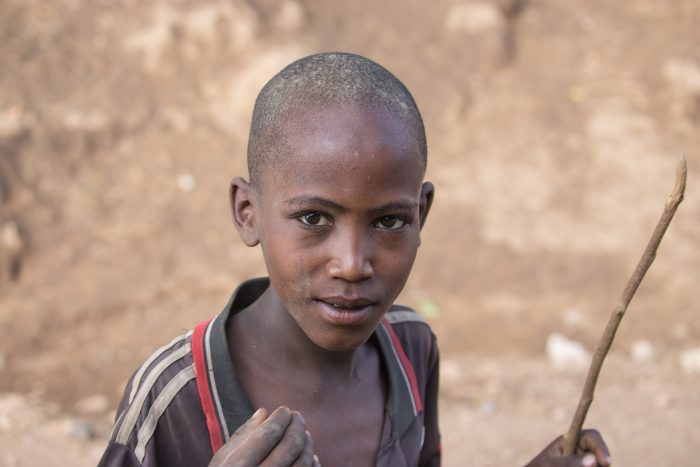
(352, 270)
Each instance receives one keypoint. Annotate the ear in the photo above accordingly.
(243, 211)
(427, 192)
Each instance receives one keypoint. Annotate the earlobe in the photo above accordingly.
(243, 210)
(427, 192)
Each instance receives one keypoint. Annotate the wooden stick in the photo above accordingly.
(571, 438)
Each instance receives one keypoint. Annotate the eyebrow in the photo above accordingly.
(300, 201)
(304, 200)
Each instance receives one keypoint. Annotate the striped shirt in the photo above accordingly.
(185, 401)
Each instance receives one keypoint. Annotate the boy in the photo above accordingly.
(336, 199)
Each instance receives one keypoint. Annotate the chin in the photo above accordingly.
(340, 343)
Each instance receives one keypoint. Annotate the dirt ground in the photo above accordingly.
(554, 129)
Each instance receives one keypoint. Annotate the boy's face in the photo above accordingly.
(339, 220)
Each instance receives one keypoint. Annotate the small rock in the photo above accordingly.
(93, 405)
(11, 238)
(564, 353)
(185, 182)
(642, 350)
(573, 316)
(450, 370)
(690, 360)
(488, 407)
(81, 430)
(473, 17)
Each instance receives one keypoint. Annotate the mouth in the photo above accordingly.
(345, 311)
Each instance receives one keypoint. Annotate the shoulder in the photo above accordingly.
(410, 327)
(412, 335)
(164, 382)
(402, 314)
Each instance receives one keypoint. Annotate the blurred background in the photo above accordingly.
(554, 129)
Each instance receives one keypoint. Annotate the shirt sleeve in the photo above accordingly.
(118, 455)
(430, 455)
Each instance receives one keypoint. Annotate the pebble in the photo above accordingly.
(185, 182)
(80, 430)
(573, 317)
(488, 407)
(11, 238)
(564, 353)
(473, 17)
(690, 361)
(450, 370)
(642, 350)
(93, 405)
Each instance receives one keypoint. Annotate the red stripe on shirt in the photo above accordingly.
(200, 370)
(408, 367)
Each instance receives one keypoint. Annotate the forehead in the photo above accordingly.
(333, 140)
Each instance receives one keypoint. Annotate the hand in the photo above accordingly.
(591, 452)
(278, 440)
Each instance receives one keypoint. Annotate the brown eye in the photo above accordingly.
(314, 219)
(391, 223)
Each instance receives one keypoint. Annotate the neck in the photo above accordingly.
(275, 340)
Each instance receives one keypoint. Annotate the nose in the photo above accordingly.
(350, 257)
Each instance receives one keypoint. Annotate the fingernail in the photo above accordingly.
(318, 462)
(257, 414)
(589, 460)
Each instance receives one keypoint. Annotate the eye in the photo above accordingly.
(391, 223)
(313, 219)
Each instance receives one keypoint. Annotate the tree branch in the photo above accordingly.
(571, 438)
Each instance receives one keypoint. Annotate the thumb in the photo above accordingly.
(588, 460)
(242, 433)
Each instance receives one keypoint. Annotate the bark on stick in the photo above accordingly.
(572, 436)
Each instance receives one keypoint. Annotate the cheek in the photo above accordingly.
(397, 261)
(288, 267)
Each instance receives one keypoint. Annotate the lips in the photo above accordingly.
(345, 311)
(347, 303)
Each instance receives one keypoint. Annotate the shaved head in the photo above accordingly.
(327, 79)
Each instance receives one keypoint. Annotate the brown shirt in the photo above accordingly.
(185, 400)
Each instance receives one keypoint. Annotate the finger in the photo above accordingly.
(263, 439)
(291, 444)
(240, 435)
(317, 463)
(573, 461)
(569, 461)
(591, 441)
(307, 458)
(556, 447)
